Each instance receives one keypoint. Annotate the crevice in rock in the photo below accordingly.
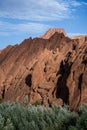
(80, 88)
(45, 70)
(3, 92)
(31, 69)
(48, 80)
(74, 47)
(80, 82)
(84, 61)
(62, 90)
(73, 74)
(28, 80)
(80, 85)
(68, 55)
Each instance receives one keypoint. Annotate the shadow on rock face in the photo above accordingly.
(62, 90)
(28, 80)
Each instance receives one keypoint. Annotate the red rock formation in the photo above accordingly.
(51, 31)
(50, 71)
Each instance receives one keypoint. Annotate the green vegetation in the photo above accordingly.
(18, 117)
(0, 100)
(37, 103)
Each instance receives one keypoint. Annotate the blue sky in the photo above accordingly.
(20, 19)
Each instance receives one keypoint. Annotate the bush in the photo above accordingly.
(0, 100)
(19, 117)
(36, 103)
(82, 122)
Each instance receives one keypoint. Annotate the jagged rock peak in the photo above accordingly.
(51, 31)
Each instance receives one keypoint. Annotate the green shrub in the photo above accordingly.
(73, 128)
(0, 100)
(19, 117)
(36, 103)
(82, 122)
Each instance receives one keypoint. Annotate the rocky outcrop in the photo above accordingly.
(50, 71)
(51, 31)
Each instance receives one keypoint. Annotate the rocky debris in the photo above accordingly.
(50, 71)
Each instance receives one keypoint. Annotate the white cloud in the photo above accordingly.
(75, 3)
(75, 34)
(40, 10)
(21, 28)
(32, 10)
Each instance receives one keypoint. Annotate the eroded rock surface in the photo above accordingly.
(49, 70)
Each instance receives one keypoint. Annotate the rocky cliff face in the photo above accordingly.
(51, 70)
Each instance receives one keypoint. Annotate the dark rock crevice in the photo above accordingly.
(84, 61)
(28, 80)
(80, 85)
(80, 80)
(3, 92)
(62, 90)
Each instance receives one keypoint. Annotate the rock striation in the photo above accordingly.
(50, 70)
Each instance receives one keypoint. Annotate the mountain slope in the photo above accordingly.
(50, 71)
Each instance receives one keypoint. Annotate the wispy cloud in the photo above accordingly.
(84, 3)
(15, 29)
(75, 34)
(76, 3)
(34, 13)
(40, 10)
